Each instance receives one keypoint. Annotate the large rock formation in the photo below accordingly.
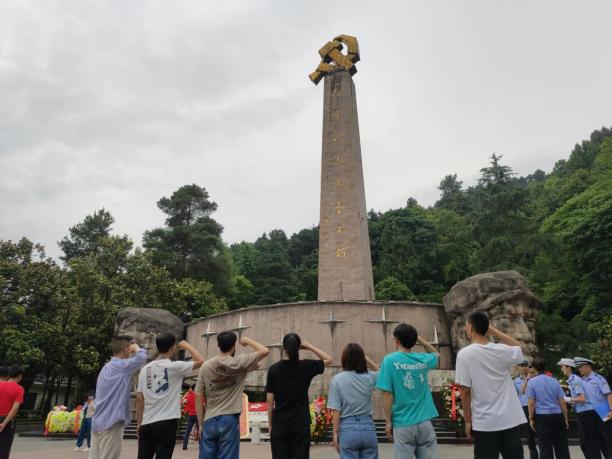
(143, 324)
(504, 296)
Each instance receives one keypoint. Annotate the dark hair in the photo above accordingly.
(539, 364)
(406, 334)
(4, 371)
(479, 321)
(226, 340)
(15, 371)
(292, 344)
(119, 343)
(164, 342)
(353, 358)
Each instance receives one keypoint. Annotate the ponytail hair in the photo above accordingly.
(292, 344)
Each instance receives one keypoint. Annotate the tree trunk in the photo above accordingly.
(68, 388)
(47, 394)
(56, 387)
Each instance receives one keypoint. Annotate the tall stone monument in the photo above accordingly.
(345, 263)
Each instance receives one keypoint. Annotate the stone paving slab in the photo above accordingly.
(29, 448)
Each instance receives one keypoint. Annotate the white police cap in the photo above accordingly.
(567, 362)
(582, 361)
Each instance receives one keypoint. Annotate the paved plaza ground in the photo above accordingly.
(30, 448)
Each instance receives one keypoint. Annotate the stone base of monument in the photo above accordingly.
(330, 326)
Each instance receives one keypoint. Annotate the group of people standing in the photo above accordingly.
(402, 377)
(494, 414)
(545, 404)
(407, 399)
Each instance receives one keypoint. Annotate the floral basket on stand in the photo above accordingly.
(320, 418)
(454, 408)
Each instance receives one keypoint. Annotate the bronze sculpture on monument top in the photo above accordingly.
(332, 52)
(345, 264)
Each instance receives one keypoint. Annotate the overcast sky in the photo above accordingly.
(117, 103)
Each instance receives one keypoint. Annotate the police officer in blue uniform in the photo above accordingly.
(520, 384)
(548, 413)
(591, 440)
(598, 393)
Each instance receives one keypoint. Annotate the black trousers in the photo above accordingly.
(591, 440)
(290, 441)
(605, 428)
(157, 440)
(488, 445)
(552, 436)
(6, 439)
(531, 438)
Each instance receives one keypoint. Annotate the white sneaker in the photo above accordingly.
(77, 449)
(85, 449)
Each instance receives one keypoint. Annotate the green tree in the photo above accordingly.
(38, 318)
(501, 226)
(403, 243)
(245, 258)
(243, 292)
(452, 195)
(601, 345)
(84, 238)
(495, 173)
(303, 252)
(583, 226)
(392, 289)
(190, 245)
(273, 280)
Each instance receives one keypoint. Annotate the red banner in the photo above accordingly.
(453, 402)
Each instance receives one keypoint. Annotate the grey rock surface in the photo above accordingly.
(504, 296)
(144, 324)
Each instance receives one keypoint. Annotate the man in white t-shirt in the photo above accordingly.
(492, 410)
(158, 398)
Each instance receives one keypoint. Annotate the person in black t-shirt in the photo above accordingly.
(287, 389)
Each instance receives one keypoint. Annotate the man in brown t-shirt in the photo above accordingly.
(221, 381)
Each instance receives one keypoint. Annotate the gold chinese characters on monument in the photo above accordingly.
(333, 59)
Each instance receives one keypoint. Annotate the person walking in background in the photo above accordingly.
(11, 399)
(189, 399)
(598, 393)
(113, 398)
(491, 409)
(221, 380)
(591, 441)
(548, 413)
(520, 383)
(287, 395)
(408, 403)
(158, 397)
(4, 373)
(87, 412)
(350, 399)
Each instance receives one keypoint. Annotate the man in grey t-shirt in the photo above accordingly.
(221, 381)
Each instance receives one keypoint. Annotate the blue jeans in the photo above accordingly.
(84, 432)
(191, 420)
(357, 437)
(418, 440)
(221, 437)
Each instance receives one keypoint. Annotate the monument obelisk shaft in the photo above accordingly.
(345, 263)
